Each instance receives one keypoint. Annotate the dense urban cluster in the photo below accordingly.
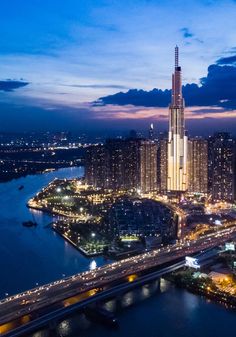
(172, 164)
(141, 164)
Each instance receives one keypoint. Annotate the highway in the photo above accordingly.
(43, 296)
(61, 313)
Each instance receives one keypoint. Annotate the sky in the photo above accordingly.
(62, 63)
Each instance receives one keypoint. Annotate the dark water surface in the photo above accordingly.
(33, 255)
(38, 255)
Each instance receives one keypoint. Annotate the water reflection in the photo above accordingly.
(78, 324)
(37, 254)
(128, 299)
(30, 255)
(93, 265)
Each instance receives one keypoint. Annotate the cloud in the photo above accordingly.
(131, 112)
(208, 110)
(218, 88)
(155, 97)
(186, 33)
(11, 85)
(189, 36)
(97, 86)
(227, 60)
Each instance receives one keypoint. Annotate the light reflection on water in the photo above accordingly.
(40, 255)
(166, 314)
(35, 255)
(111, 305)
(78, 324)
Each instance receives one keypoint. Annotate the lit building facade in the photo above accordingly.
(177, 140)
(197, 165)
(162, 165)
(148, 166)
(127, 164)
(95, 169)
(222, 167)
(122, 163)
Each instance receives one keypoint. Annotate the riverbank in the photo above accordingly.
(41, 256)
(39, 253)
(204, 287)
(33, 169)
(79, 248)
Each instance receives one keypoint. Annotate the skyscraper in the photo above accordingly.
(197, 165)
(162, 165)
(148, 166)
(222, 167)
(129, 164)
(95, 168)
(177, 140)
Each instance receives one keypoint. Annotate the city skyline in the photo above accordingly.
(177, 179)
(79, 53)
(118, 179)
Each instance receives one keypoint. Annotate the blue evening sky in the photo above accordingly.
(74, 51)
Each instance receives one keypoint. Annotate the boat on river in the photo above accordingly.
(29, 223)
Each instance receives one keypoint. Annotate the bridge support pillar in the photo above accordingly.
(53, 329)
(159, 284)
(119, 301)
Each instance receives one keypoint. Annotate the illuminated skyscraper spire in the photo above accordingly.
(177, 143)
(176, 56)
(176, 98)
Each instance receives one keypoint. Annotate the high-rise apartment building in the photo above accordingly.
(95, 167)
(148, 166)
(177, 140)
(197, 165)
(123, 164)
(162, 165)
(222, 167)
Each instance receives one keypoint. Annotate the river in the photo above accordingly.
(30, 256)
(33, 255)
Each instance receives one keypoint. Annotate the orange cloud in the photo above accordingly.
(131, 112)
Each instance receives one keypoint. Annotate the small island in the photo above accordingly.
(98, 221)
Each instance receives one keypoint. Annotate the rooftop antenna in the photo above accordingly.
(176, 56)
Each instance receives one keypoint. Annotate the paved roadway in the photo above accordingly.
(41, 297)
(61, 313)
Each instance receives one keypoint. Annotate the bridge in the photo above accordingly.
(31, 310)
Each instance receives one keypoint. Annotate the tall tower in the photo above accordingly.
(151, 131)
(177, 140)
